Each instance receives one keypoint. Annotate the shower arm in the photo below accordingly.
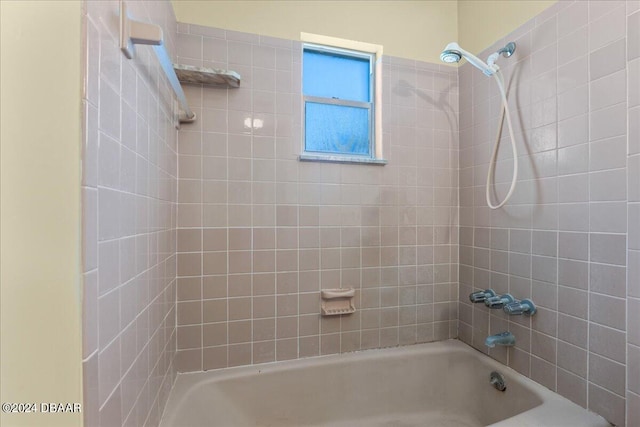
(506, 51)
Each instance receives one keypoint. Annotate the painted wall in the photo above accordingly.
(480, 23)
(407, 29)
(40, 207)
(412, 29)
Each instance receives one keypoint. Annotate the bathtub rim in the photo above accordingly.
(553, 409)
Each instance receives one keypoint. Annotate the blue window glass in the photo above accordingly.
(331, 75)
(336, 129)
(337, 88)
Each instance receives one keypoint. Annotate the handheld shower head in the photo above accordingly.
(451, 53)
(450, 56)
(454, 53)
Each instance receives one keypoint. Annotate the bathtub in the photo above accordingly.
(443, 384)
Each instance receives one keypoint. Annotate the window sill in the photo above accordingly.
(341, 159)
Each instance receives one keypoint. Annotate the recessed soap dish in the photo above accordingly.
(337, 301)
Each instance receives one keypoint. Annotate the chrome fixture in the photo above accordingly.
(526, 306)
(499, 301)
(497, 380)
(506, 339)
(481, 296)
(508, 50)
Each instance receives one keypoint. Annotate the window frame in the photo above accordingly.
(370, 157)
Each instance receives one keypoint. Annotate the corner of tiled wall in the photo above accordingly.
(129, 188)
(633, 214)
(260, 233)
(563, 237)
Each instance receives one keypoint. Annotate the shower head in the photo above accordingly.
(450, 56)
(454, 53)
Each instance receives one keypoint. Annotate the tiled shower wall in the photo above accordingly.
(563, 237)
(129, 222)
(633, 214)
(260, 233)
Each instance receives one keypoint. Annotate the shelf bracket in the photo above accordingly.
(134, 32)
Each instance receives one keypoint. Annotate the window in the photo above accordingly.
(338, 89)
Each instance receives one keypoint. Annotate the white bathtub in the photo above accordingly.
(438, 384)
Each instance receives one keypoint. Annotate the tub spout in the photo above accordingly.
(504, 338)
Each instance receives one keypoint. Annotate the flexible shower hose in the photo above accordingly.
(492, 163)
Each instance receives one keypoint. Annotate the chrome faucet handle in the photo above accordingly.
(481, 296)
(499, 301)
(526, 307)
